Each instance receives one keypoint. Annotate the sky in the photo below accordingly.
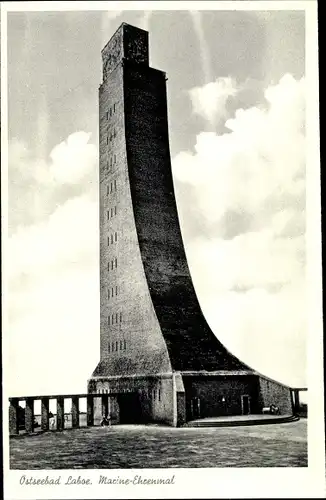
(236, 103)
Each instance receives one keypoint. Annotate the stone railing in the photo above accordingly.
(60, 415)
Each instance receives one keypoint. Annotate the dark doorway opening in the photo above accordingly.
(245, 403)
(129, 408)
(195, 408)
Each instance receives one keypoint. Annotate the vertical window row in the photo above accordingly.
(156, 394)
(115, 346)
(113, 158)
(113, 238)
(112, 212)
(115, 318)
(113, 291)
(112, 187)
(112, 135)
(112, 264)
(111, 111)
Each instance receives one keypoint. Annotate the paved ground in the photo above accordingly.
(278, 445)
(234, 418)
(231, 419)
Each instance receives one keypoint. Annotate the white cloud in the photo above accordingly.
(53, 298)
(66, 238)
(248, 261)
(268, 330)
(37, 186)
(72, 159)
(52, 268)
(54, 335)
(210, 100)
(256, 167)
(241, 200)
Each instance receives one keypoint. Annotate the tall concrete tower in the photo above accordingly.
(157, 350)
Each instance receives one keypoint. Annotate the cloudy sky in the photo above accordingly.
(236, 97)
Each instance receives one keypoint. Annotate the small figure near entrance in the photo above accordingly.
(272, 409)
(52, 420)
(275, 410)
(106, 420)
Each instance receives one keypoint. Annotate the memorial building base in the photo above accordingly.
(176, 398)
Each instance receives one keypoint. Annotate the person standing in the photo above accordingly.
(52, 420)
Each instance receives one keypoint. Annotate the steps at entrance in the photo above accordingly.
(243, 420)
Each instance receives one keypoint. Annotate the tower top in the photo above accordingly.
(127, 43)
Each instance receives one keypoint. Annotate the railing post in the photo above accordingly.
(296, 401)
(90, 411)
(60, 413)
(75, 411)
(45, 414)
(29, 415)
(13, 417)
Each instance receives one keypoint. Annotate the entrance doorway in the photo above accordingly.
(195, 408)
(129, 408)
(245, 404)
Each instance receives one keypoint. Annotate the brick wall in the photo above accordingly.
(154, 397)
(211, 390)
(271, 392)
